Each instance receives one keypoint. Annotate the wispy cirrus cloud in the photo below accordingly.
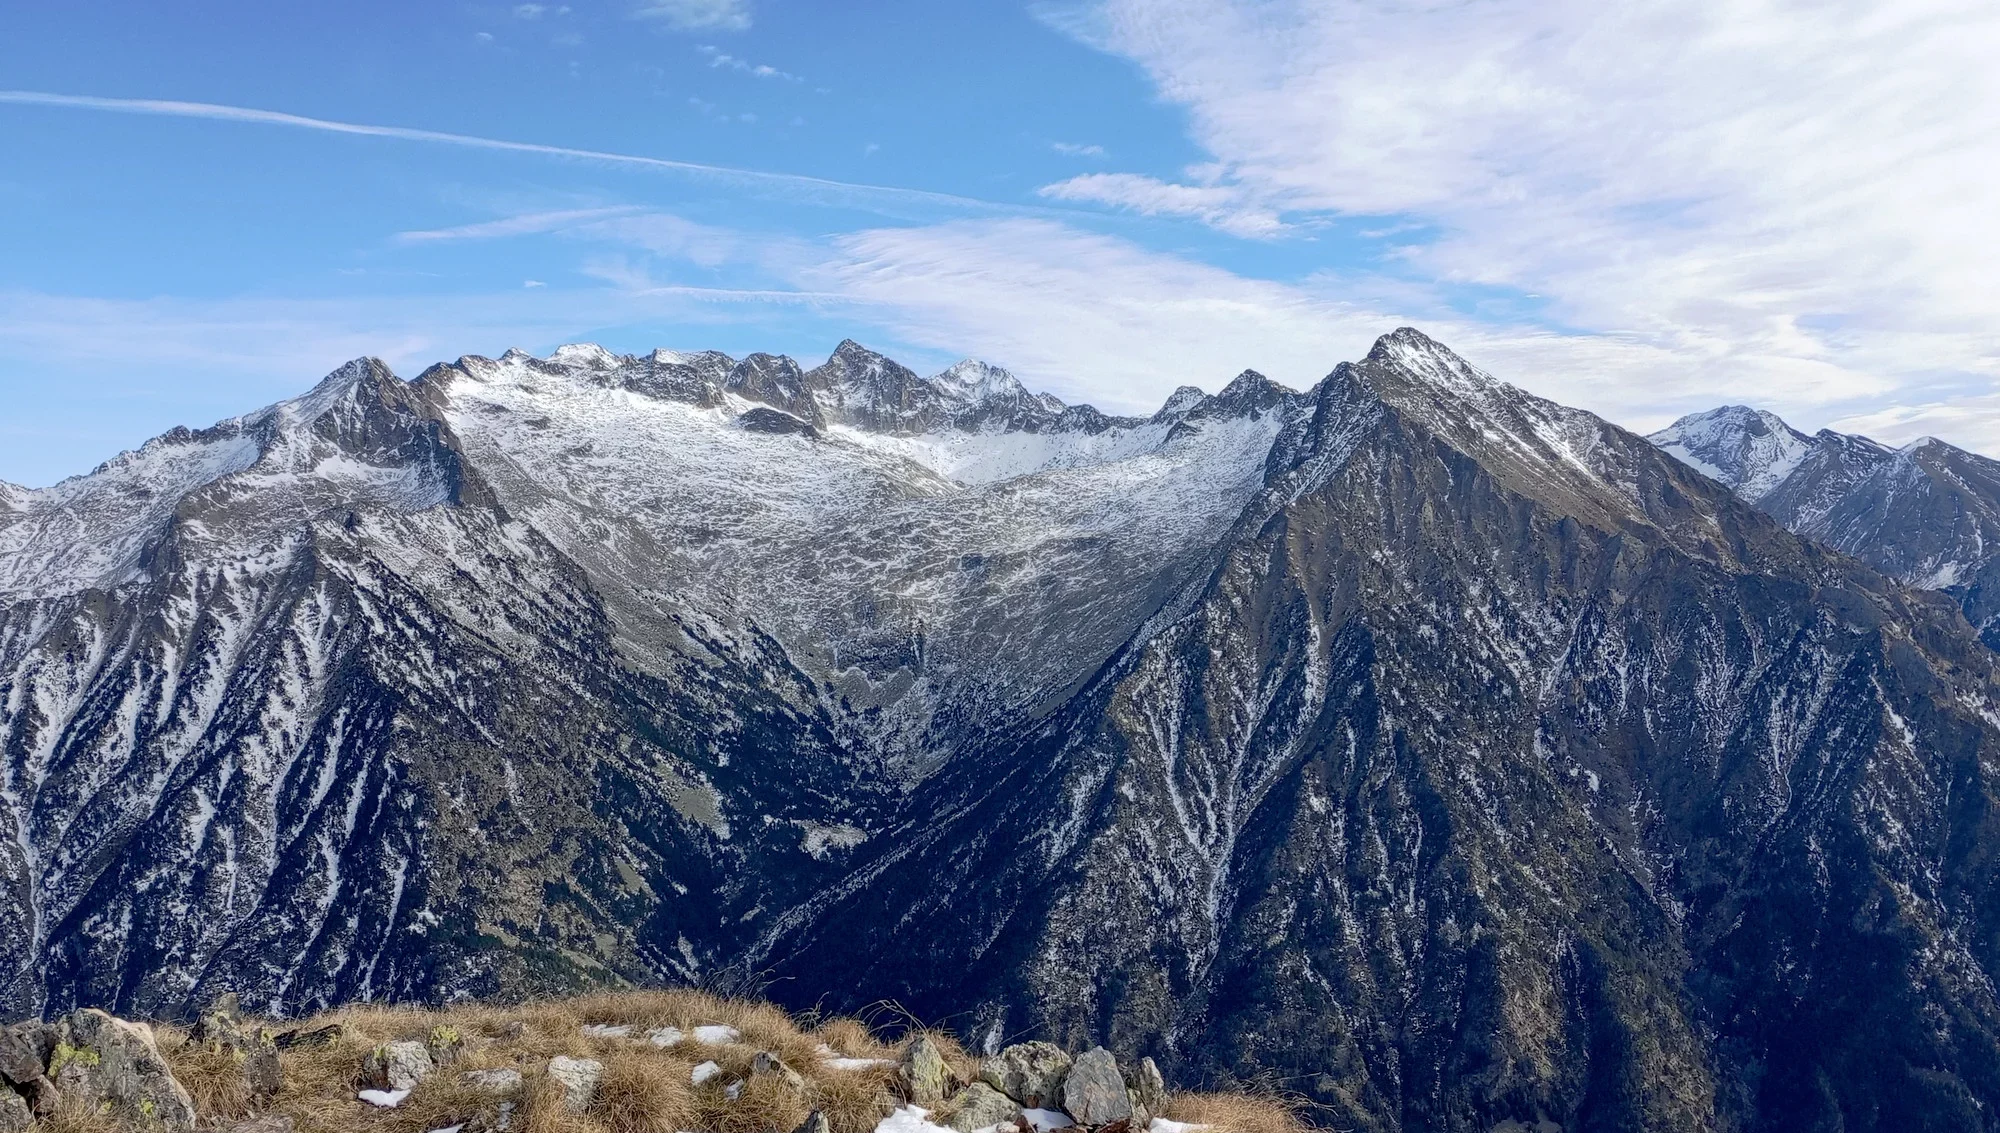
(1072, 149)
(1224, 207)
(698, 15)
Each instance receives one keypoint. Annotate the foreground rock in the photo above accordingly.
(114, 1068)
(1031, 1072)
(397, 1066)
(980, 1106)
(1094, 1091)
(579, 1078)
(925, 1077)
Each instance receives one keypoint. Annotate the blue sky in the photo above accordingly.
(204, 207)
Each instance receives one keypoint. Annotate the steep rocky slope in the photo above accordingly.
(1455, 757)
(1502, 769)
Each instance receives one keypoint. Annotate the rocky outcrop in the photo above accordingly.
(1033, 1072)
(115, 1068)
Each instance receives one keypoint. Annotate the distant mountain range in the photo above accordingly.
(1443, 754)
(1926, 514)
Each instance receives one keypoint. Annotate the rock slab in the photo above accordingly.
(1094, 1091)
(579, 1080)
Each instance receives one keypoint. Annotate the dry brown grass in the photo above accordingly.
(1237, 1112)
(853, 1038)
(765, 1105)
(214, 1079)
(645, 1089)
(543, 1110)
(854, 1101)
(646, 1094)
(73, 1116)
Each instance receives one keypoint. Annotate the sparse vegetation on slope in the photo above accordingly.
(655, 1062)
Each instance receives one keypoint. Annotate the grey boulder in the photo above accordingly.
(1030, 1073)
(925, 1077)
(115, 1067)
(15, 1116)
(398, 1065)
(1148, 1090)
(1094, 1091)
(579, 1080)
(980, 1106)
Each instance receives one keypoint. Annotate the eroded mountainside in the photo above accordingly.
(1454, 756)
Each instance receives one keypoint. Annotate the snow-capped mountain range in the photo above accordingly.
(1927, 513)
(1456, 757)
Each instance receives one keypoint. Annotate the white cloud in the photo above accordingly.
(1075, 150)
(1102, 319)
(1225, 207)
(1768, 190)
(692, 15)
(719, 58)
(529, 11)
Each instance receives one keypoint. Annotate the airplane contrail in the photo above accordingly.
(822, 190)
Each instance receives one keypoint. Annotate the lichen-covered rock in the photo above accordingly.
(15, 1116)
(815, 1122)
(115, 1067)
(1094, 1091)
(925, 1077)
(980, 1106)
(1030, 1073)
(768, 1065)
(1148, 1090)
(397, 1065)
(579, 1078)
(446, 1044)
(263, 1072)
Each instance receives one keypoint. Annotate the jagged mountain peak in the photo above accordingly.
(1180, 401)
(1248, 392)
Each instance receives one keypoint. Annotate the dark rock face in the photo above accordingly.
(1481, 763)
(761, 420)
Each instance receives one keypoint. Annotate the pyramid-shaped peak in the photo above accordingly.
(852, 354)
(1418, 355)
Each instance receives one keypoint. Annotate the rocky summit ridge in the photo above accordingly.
(1454, 756)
